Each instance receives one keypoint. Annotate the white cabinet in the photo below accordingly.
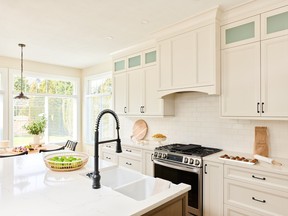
(212, 189)
(240, 32)
(254, 191)
(241, 80)
(120, 93)
(131, 163)
(254, 74)
(274, 23)
(188, 61)
(274, 77)
(135, 88)
(148, 165)
(132, 157)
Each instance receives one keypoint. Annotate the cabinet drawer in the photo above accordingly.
(130, 163)
(109, 157)
(131, 151)
(269, 180)
(233, 211)
(262, 201)
(109, 147)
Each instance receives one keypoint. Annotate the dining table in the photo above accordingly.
(34, 149)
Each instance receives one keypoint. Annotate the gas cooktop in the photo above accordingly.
(189, 149)
(187, 154)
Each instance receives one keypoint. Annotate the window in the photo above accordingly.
(3, 104)
(54, 97)
(98, 96)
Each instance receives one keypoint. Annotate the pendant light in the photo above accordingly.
(21, 95)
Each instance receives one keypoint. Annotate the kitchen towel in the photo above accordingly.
(261, 141)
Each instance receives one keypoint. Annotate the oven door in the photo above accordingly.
(178, 173)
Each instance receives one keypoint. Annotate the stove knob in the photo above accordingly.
(185, 160)
(155, 154)
(164, 156)
(197, 162)
(191, 160)
(159, 155)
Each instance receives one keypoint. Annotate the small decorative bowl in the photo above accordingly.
(64, 166)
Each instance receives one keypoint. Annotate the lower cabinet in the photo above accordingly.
(135, 158)
(254, 192)
(134, 164)
(212, 189)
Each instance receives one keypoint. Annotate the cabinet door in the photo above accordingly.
(184, 51)
(135, 91)
(241, 80)
(120, 93)
(274, 76)
(205, 57)
(153, 105)
(241, 32)
(148, 165)
(274, 23)
(165, 72)
(213, 189)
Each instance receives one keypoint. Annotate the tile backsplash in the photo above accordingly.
(197, 121)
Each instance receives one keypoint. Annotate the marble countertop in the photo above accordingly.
(260, 165)
(28, 188)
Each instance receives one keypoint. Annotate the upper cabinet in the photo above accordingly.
(274, 23)
(254, 70)
(241, 32)
(136, 86)
(189, 57)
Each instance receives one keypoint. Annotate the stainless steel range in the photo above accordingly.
(183, 163)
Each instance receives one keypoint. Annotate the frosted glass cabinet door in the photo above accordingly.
(241, 32)
(134, 61)
(274, 23)
(119, 65)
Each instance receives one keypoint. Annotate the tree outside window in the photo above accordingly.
(55, 99)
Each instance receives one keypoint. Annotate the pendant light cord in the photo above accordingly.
(22, 45)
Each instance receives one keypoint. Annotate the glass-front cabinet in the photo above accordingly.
(274, 23)
(119, 65)
(240, 32)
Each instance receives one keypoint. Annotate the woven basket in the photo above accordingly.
(66, 165)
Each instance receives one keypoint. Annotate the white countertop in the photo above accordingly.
(264, 166)
(28, 188)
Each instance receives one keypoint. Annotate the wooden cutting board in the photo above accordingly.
(140, 129)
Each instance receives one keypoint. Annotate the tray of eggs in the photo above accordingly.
(238, 159)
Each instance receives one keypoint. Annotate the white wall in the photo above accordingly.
(197, 121)
(12, 63)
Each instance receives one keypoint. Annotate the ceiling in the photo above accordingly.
(80, 34)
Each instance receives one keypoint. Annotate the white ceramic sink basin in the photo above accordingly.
(118, 176)
(144, 188)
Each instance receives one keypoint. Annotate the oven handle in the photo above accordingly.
(170, 165)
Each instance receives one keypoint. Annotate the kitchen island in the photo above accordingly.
(28, 187)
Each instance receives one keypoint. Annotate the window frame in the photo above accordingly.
(4, 92)
(86, 95)
(76, 95)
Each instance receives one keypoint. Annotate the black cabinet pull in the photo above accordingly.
(129, 163)
(263, 178)
(108, 158)
(128, 150)
(205, 169)
(262, 108)
(125, 109)
(152, 156)
(143, 109)
(262, 201)
(258, 104)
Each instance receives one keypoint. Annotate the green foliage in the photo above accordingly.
(36, 127)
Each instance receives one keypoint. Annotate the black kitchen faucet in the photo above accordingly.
(96, 174)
